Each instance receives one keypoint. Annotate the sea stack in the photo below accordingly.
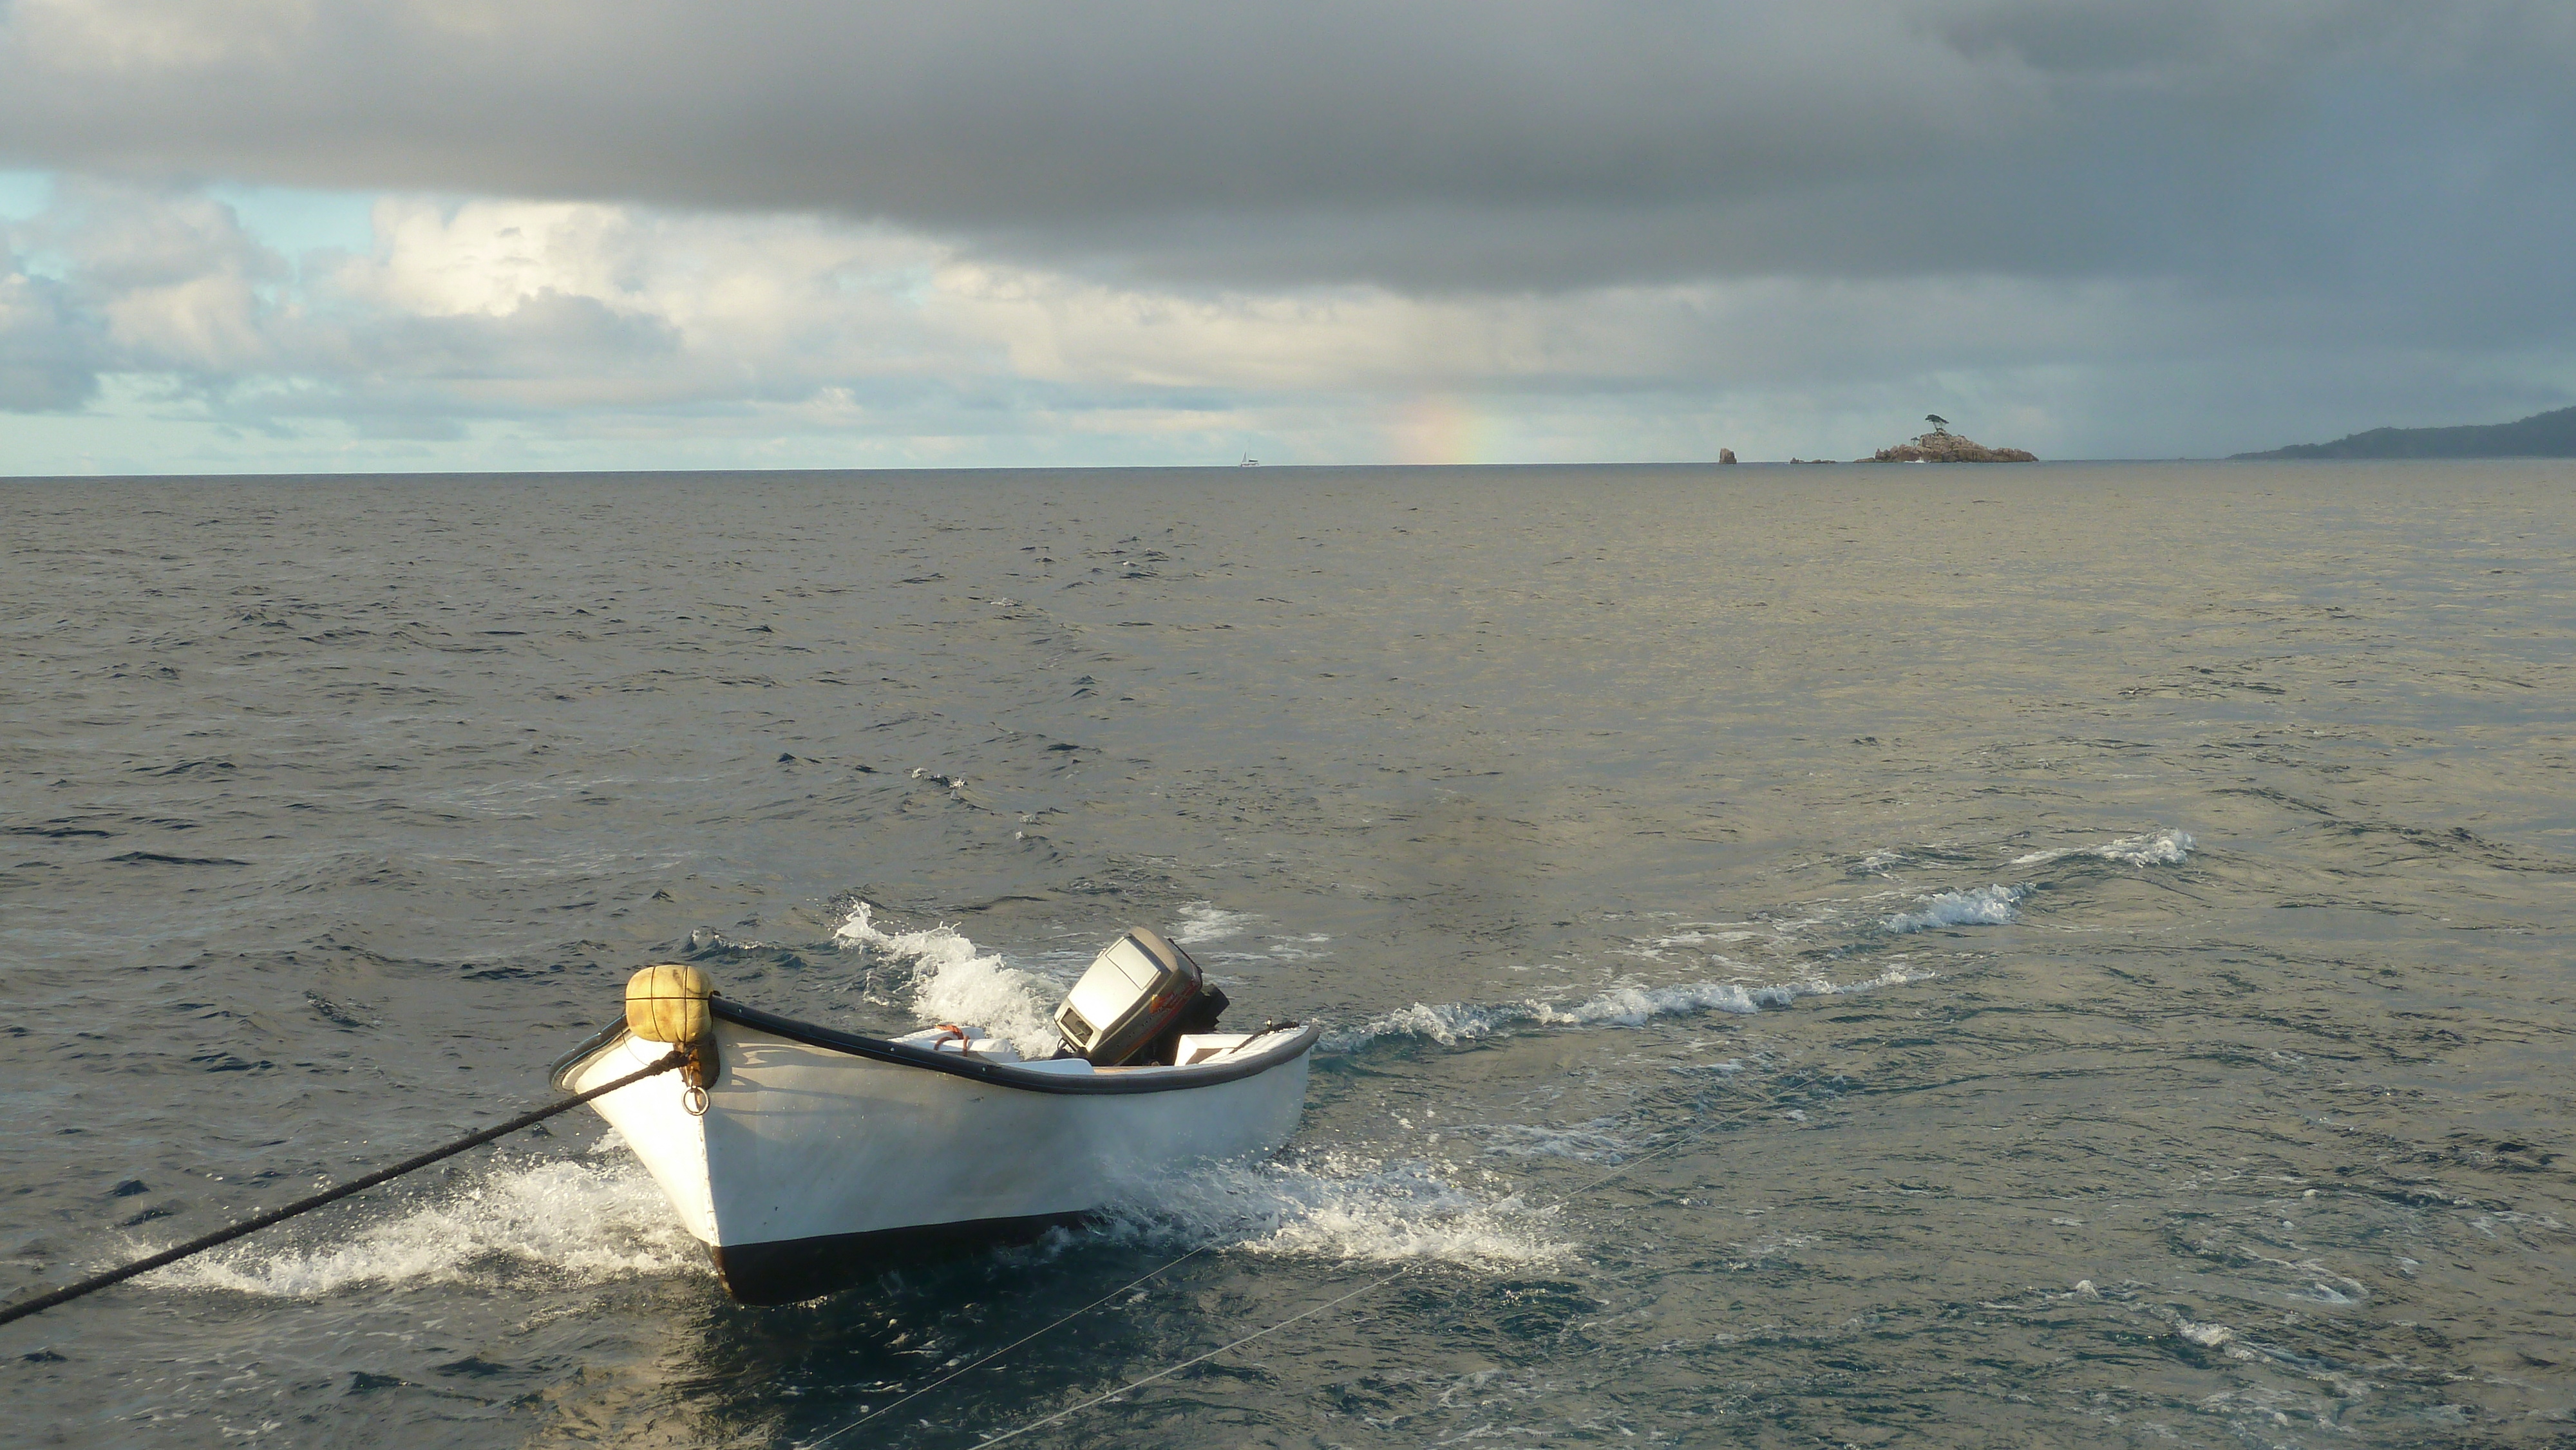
(1946, 447)
(1726, 455)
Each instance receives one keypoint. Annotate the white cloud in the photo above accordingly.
(799, 337)
(1013, 230)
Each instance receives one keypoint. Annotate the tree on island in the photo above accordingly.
(1939, 423)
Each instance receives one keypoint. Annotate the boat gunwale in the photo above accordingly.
(1105, 1082)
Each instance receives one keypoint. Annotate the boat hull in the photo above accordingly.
(789, 1271)
(822, 1157)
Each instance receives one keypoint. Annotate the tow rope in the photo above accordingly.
(677, 1057)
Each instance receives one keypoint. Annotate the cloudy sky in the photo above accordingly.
(314, 234)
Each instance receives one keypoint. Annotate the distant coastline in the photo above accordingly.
(2542, 435)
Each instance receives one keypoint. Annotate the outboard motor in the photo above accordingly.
(1133, 1005)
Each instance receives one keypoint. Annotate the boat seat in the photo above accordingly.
(952, 1038)
(1198, 1047)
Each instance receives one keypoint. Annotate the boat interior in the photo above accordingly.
(1197, 1049)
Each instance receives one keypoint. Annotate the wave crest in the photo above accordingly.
(2160, 848)
(1981, 906)
(1450, 1023)
(954, 982)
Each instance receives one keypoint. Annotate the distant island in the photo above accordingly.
(2542, 435)
(1942, 446)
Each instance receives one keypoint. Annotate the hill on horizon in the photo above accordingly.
(2542, 435)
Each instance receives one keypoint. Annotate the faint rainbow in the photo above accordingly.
(1442, 428)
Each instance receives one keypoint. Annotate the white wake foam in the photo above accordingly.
(1983, 906)
(954, 982)
(589, 1219)
(1202, 921)
(1341, 1207)
(1450, 1023)
(2163, 848)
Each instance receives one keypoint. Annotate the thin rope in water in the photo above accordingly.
(1379, 1283)
(1196, 1359)
(1005, 1349)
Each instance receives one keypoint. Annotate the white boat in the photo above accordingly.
(805, 1157)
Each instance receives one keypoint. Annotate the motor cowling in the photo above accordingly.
(1135, 1001)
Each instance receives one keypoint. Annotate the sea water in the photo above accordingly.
(2036, 955)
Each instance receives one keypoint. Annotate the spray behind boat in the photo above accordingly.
(1136, 1001)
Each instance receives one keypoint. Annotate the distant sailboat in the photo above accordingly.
(1249, 462)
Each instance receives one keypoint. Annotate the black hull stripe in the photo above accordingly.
(790, 1271)
(1003, 1074)
(958, 1064)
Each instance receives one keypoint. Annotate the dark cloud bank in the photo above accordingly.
(2332, 175)
(1476, 143)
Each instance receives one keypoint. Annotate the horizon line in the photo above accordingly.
(998, 468)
